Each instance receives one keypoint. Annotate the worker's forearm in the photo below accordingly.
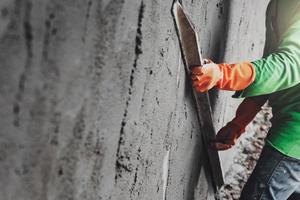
(276, 72)
(236, 76)
(248, 109)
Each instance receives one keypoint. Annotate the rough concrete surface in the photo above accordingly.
(95, 102)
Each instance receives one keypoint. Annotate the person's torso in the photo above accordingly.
(285, 131)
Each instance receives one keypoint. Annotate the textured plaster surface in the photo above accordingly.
(95, 102)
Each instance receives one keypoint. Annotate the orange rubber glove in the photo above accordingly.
(224, 76)
(206, 77)
(247, 110)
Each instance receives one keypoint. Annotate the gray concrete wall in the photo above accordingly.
(95, 102)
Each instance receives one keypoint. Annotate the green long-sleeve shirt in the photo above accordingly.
(278, 75)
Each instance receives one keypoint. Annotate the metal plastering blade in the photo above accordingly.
(189, 44)
(187, 36)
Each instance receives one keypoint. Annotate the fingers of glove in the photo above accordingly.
(195, 84)
(226, 136)
(226, 132)
(224, 141)
(220, 146)
(202, 87)
(229, 141)
(199, 89)
(197, 71)
(205, 84)
(195, 78)
(201, 81)
(231, 131)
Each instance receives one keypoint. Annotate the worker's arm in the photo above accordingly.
(281, 69)
(247, 110)
(277, 71)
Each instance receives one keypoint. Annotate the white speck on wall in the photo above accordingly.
(165, 173)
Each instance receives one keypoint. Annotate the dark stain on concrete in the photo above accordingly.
(105, 27)
(70, 157)
(4, 12)
(98, 163)
(28, 36)
(60, 171)
(157, 101)
(47, 36)
(169, 72)
(87, 17)
(132, 188)
(120, 164)
(169, 129)
(220, 7)
(55, 122)
(28, 29)
(252, 46)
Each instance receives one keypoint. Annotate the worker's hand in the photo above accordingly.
(206, 77)
(224, 76)
(227, 137)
